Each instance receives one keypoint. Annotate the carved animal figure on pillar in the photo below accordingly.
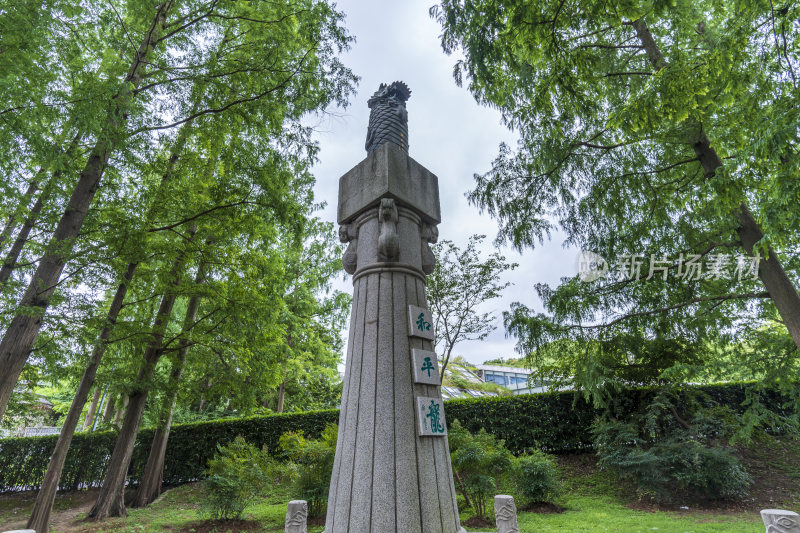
(388, 119)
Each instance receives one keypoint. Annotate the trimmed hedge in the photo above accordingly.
(556, 422)
(560, 422)
(23, 460)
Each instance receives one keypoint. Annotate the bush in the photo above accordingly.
(669, 455)
(237, 475)
(315, 461)
(537, 478)
(481, 463)
(557, 422)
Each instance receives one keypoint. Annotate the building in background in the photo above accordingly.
(516, 379)
(459, 373)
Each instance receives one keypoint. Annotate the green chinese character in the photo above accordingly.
(427, 366)
(422, 325)
(433, 414)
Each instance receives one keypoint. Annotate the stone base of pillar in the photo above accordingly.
(462, 530)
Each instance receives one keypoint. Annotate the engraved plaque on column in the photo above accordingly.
(420, 322)
(430, 414)
(426, 367)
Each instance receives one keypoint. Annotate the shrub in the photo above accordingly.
(315, 461)
(556, 422)
(480, 464)
(537, 478)
(669, 455)
(237, 475)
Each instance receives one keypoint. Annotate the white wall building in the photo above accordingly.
(511, 377)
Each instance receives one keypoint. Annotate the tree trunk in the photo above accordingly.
(24, 328)
(87, 422)
(26, 198)
(281, 396)
(110, 500)
(10, 261)
(40, 515)
(150, 484)
(120, 410)
(445, 362)
(772, 274)
(108, 412)
(44, 501)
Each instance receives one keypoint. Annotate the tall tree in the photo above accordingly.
(310, 319)
(23, 330)
(150, 483)
(660, 131)
(461, 282)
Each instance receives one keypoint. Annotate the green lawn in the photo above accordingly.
(594, 500)
(598, 514)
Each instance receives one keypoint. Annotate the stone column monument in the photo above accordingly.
(392, 468)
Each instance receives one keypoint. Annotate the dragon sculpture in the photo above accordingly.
(388, 119)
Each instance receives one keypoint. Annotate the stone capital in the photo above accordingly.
(389, 172)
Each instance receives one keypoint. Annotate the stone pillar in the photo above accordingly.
(505, 514)
(296, 517)
(780, 521)
(392, 468)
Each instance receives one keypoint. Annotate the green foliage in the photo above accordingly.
(537, 478)
(601, 368)
(23, 410)
(617, 107)
(237, 475)
(314, 458)
(190, 448)
(669, 455)
(223, 147)
(556, 422)
(461, 281)
(510, 361)
(452, 379)
(481, 463)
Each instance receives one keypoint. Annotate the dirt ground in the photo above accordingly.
(66, 512)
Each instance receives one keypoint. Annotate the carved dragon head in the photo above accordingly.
(396, 93)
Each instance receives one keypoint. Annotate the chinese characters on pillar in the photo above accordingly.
(420, 322)
(430, 413)
(426, 367)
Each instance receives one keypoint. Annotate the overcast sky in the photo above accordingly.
(449, 133)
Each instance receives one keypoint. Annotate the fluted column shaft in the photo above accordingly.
(387, 478)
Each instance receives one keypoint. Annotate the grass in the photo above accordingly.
(594, 500)
(182, 509)
(599, 514)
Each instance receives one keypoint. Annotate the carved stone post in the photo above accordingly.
(296, 517)
(392, 469)
(780, 521)
(505, 514)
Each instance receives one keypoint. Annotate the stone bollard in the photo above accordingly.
(296, 516)
(505, 513)
(780, 521)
